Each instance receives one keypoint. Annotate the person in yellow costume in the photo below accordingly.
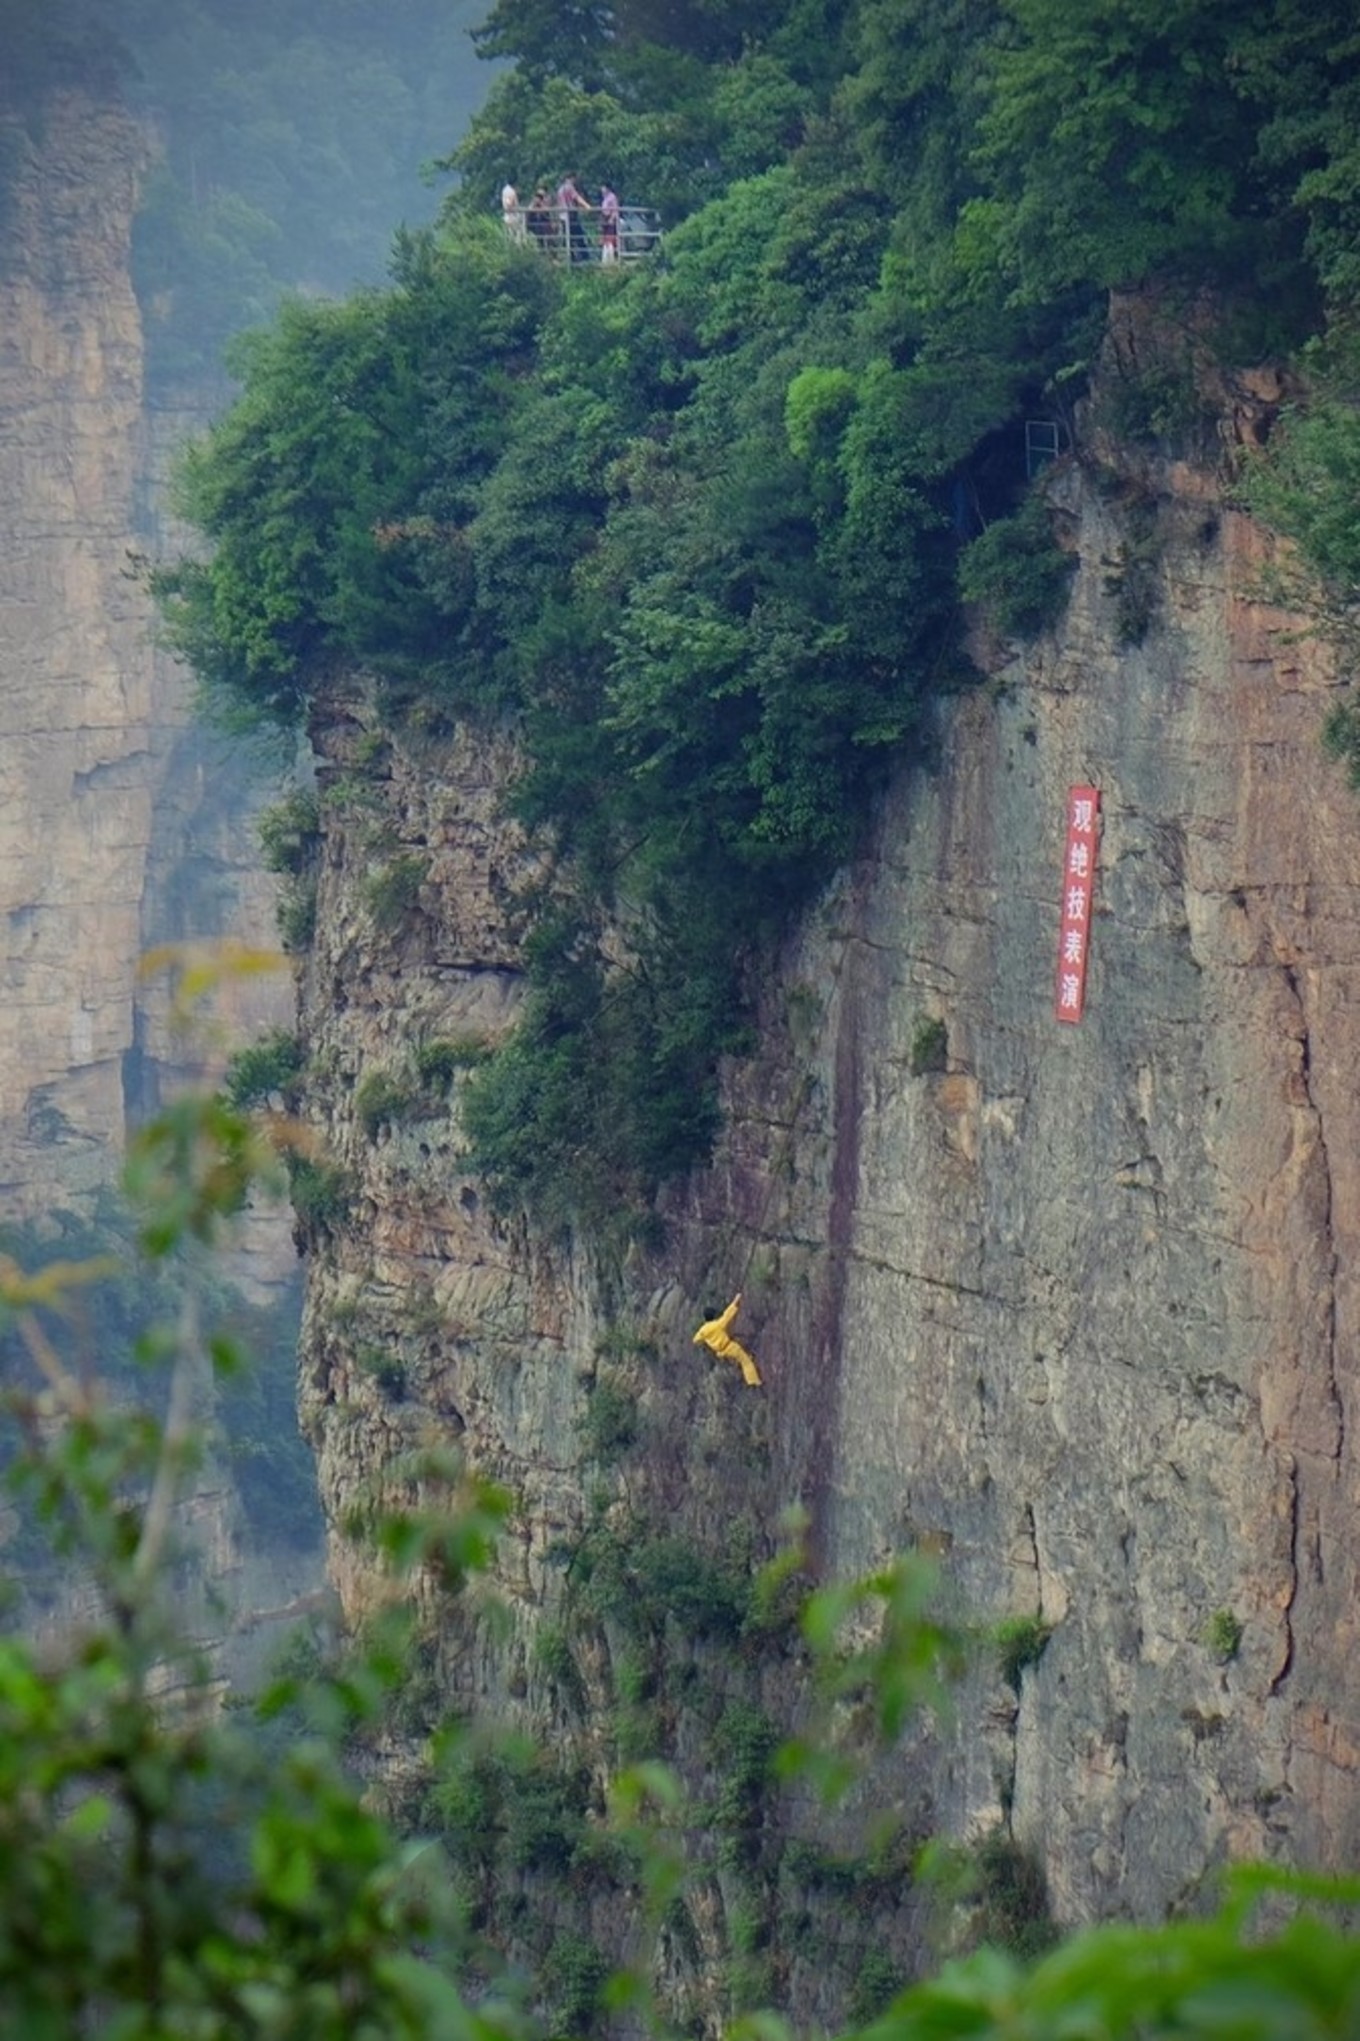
(715, 1336)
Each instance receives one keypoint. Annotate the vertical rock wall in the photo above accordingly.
(1092, 1328)
(75, 755)
(121, 825)
(1076, 1311)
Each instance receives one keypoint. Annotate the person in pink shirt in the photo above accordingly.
(609, 224)
(570, 206)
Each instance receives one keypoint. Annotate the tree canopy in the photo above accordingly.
(700, 526)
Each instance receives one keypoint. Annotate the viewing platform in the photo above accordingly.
(548, 230)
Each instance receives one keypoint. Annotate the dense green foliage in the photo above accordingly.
(1020, 1644)
(250, 1415)
(1308, 489)
(702, 527)
(170, 1869)
(269, 1069)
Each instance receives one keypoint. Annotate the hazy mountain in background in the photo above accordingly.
(215, 154)
(293, 136)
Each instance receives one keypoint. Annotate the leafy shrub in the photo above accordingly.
(544, 1816)
(391, 894)
(606, 1087)
(1341, 738)
(556, 1660)
(438, 1062)
(929, 1053)
(609, 1424)
(349, 794)
(383, 1099)
(810, 1863)
(1017, 572)
(387, 1369)
(743, 1748)
(573, 1977)
(747, 1927)
(320, 1192)
(631, 1576)
(621, 1341)
(268, 1069)
(1160, 405)
(744, 1744)
(1306, 482)
(1020, 1643)
(1223, 1635)
(1013, 1896)
(296, 912)
(639, 1732)
(466, 1801)
(877, 1983)
(635, 1676)
(1306, 485)
(290, 831)
(704, 1594)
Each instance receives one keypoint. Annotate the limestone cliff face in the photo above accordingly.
(1092, 1325)
(488, 1331)
(121, 825)
(1078, 1310)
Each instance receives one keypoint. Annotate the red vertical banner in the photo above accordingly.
(1078, 891)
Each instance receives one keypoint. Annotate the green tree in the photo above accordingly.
(1113, 146)
(333, 491)
(1298, 66)
(1307, 486)
(701, 526)
(164, 1871)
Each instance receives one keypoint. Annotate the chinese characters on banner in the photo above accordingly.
(1078, 887)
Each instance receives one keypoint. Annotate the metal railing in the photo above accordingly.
(572, 233)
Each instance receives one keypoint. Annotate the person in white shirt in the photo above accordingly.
(512, 212)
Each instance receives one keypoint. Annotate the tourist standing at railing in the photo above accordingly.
(609, 224)
(511, 212)
(540, 219)
(570, 206)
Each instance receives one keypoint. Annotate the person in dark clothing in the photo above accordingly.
(539, 219)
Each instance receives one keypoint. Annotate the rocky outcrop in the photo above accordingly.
(1070, 1306)
(122, 826)
(419, 1290)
